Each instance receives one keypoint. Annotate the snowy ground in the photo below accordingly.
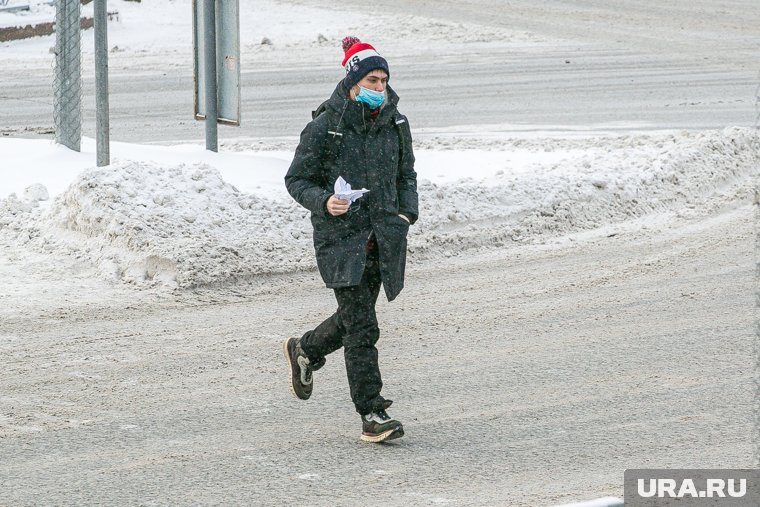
(579, 299)
(39, 11)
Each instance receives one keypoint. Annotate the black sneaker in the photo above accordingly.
(300, 368)
(379, 427)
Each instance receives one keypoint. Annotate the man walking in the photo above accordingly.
(357, 135)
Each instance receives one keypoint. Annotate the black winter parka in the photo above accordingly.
(376, 155)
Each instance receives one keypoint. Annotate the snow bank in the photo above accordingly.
(141, 222)
(38, 12)
(599, 181)
(147, 223)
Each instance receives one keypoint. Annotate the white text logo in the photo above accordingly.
(715, 488)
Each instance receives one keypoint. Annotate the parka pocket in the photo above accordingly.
(403, 223)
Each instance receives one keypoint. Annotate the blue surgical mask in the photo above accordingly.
(370, 97)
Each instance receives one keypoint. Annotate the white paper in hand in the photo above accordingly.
(343, 191)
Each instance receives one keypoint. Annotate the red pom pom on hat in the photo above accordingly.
(348, 42)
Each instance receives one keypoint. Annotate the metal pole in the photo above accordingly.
(209, 58)
(101, 84)
(756, 342)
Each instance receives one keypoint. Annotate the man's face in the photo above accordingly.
(375, 80)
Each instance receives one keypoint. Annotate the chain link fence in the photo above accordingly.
(67, 84)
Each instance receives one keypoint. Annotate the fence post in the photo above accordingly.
(102, 126)
(67, 88)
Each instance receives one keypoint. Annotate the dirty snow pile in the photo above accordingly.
(141, 222)
(582, 184)
(183, 225)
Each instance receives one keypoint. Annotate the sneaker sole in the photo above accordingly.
(290, 368)
(391, 434)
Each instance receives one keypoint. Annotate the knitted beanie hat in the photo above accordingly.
(361, 59)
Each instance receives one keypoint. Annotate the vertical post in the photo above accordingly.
(67, 113)
(102, 126)
(209, 47)
(756, 341)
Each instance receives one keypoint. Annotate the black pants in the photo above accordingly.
(354, 327)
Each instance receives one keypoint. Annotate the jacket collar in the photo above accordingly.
(356, 115)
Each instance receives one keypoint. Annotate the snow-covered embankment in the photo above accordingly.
(148, 224)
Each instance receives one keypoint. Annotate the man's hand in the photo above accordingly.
(336, 206)
(404, 217)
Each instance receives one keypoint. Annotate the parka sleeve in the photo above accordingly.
(407, 177)
(304, 179)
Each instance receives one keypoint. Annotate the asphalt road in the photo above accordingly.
(619, 66)
(530, 376)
